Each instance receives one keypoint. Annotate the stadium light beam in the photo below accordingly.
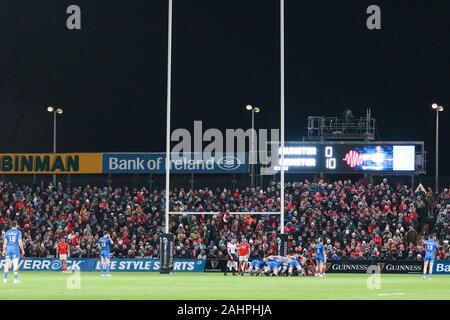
(438, 109)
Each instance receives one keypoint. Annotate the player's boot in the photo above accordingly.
(16, 281)
(108, 275)
(5, 280)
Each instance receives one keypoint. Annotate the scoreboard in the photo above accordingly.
(356, 157)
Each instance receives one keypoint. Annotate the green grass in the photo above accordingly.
(52, 285)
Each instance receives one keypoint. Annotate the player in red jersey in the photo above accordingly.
(244, 253)
(63, 252)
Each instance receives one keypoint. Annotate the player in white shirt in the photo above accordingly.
(232, 262)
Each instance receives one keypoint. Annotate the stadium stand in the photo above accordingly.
(357, 220)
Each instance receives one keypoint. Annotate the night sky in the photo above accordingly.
(110, 77)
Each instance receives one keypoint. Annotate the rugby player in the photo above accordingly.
(255, 267)
(12, 249)
(232, 257)
(272, 266)
(320, 258)
(430, 251)
(63, 252)
(294, 265)
(105, 253)
(244, 252)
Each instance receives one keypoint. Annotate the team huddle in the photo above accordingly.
(274, 265)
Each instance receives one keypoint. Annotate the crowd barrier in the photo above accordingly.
(441, 267)
(117, 265)
(384, 266)
(194, 265)
(359, 266)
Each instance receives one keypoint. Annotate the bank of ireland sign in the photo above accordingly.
(130, 163)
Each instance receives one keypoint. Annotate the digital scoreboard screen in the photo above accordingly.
(348, 158)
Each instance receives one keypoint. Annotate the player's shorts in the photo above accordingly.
(243, 258)
(272, 265)
(12, 253)
(63, 256)
(429, 258)
(234, 257)
(294, 264)
(255, 264)
(319, 259)
(105, 255)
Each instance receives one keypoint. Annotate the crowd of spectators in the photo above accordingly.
(357, 220)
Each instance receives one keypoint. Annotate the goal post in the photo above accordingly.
(166, 241)
(281, 239)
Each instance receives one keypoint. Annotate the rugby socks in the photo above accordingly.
(107, 268)
(16, 275)
(5, 275)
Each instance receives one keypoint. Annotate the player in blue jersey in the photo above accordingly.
(430, 250)
(255, 267)
(104, 243)
(294, 265)
(320, 258)
(283, 266)
(12, 249)
(272, 266)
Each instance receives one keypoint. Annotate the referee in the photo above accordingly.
(232, 257)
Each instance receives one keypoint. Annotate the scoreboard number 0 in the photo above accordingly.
(330, 162)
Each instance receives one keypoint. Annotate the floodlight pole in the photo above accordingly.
(252, 172)
(169, 87)
(55, 112)
(282, 115)
(54, 144)
(436, 170)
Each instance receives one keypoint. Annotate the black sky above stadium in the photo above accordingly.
(110, 77)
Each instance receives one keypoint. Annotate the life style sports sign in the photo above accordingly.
(117, 163)
(117, 265)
